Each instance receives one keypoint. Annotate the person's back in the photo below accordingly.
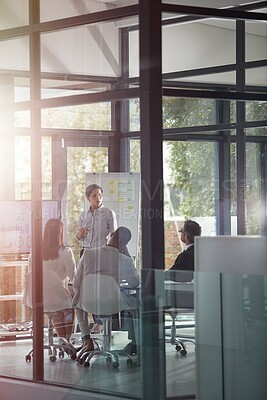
(112, 260)
(185, 262)
(109, 261)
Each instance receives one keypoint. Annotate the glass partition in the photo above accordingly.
(17, 56)
(86, 127)
(198, 43)
(256, 36)
(16, 305)
(231, 352)
(256, 75)
(256, 111)
(15, 317)
(64, 9)
(14, 13)
(84, 117)
(101, 41)
(214, 326)
(190, 186)
(184, 112)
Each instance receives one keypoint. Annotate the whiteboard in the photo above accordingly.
(121, 193)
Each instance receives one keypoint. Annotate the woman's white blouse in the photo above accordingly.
(64, 266)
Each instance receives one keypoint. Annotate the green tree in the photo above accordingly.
(191, 163)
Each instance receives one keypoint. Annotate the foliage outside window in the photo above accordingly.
(191, 163)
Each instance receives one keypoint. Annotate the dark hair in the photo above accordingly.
(52, 239)
(120, 238)
(192, 229)
(90, 189)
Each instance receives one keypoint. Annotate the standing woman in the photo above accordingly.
(95, 226)
(59, 259)
(97, 223)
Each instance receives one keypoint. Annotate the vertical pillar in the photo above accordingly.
(7, 148)
(223, 199)
(153, 347)
(240, 133)
(263, 188)
(36, 174)
(59, 175)
(119, 149)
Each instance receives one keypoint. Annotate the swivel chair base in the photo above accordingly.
(179, 343)
(54, 349)
(111, 355)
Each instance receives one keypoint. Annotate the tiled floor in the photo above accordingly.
(180, 371)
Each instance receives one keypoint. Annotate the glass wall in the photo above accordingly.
(72, 97)
(229, 309)
(14, 13)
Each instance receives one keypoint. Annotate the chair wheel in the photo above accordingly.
(178, 347)
(28, 358)
(61, 354)
(115, 364)
(183, 352)
(108, 360)
(129, 362)
(86, 364)
(53, 358)
(73, 356)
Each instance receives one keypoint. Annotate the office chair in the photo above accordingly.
(179, 299)
(101, 295)
(61, 300)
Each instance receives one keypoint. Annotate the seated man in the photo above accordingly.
(113, 260)
(185, 260)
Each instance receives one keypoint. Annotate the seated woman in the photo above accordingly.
(59, 259)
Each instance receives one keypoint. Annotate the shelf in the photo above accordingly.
(7, 297)
(8, 263)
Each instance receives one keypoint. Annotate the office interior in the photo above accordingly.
(174, 91)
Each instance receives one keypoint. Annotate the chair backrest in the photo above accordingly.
(179, 294)
(55, 296)
(101, 295)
